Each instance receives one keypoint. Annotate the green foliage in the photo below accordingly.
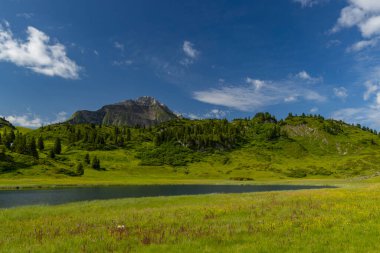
(345, 219)
(333, 127)
(261, 147)
(41, 145)
(95, 164)
(80, 169)
(51, 154)
(87, 159)
(57, 149)
(168, 154)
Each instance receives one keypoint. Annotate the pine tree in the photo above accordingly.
(95, 163)
(32, 148)
(128, 135)
(57, 146)
(41, 145)
(51, 154)
(80, 170)
(87, 158)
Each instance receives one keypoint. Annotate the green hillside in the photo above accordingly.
(261, 148)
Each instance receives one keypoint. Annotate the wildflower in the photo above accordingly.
(121, 227)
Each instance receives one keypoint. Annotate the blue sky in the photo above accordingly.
(201, 58)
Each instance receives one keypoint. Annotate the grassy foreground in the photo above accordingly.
(346, 219)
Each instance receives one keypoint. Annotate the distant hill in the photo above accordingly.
(257, 148)
(5, 123)
(144, 111)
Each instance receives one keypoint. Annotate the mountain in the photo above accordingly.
(144, 111)
(5, 123)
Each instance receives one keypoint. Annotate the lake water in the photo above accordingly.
(13, 198)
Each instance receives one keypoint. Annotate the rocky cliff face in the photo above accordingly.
(144, 111)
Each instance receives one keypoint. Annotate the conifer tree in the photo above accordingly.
(57, 146)
(80, 170)
(95, 163)
(128, 135)
(41, 145)
(51, 154)
(87, 158)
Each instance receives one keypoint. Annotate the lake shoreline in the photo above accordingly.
(59, 196)
(41, 186)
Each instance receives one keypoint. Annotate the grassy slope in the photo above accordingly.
(330, 220)
(309, 153)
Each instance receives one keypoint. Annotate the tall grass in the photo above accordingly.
(328, 220)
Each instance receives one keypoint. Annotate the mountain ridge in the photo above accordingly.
(143, 111)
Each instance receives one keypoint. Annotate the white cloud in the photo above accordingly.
(25, 15)
(258, 84)
(370, 27)
(59, 117)
(186, 61)
(36, 53)
(367, 5)
(123, 63)
(216, 114)
(314, 110)
(290, 99)
(365, 15)
(371, 88)
(212, 114)
(119, 46)
(189, 50)
(378, 99)
(349, 16)
(34, 121)
(303, 75)
(340, 92)
(358, 46)
(333, 43)
(307, 3)
(367, 115)
(25, 120)
(250, 98)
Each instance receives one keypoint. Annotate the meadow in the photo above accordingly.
(345, 219)
(261, 150)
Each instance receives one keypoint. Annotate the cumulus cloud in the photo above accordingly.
(189, 50)
(36, 53)
(25, 120)
(303, 75)
(249, 97)
(358, 46)
(258, 84)
(367, 115)
(365, 15)
(340, 92)
(34, 121)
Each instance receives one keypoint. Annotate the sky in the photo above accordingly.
(203, 59)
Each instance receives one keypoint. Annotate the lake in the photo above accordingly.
(13, 198)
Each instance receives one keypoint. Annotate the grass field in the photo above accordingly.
(345, 219)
